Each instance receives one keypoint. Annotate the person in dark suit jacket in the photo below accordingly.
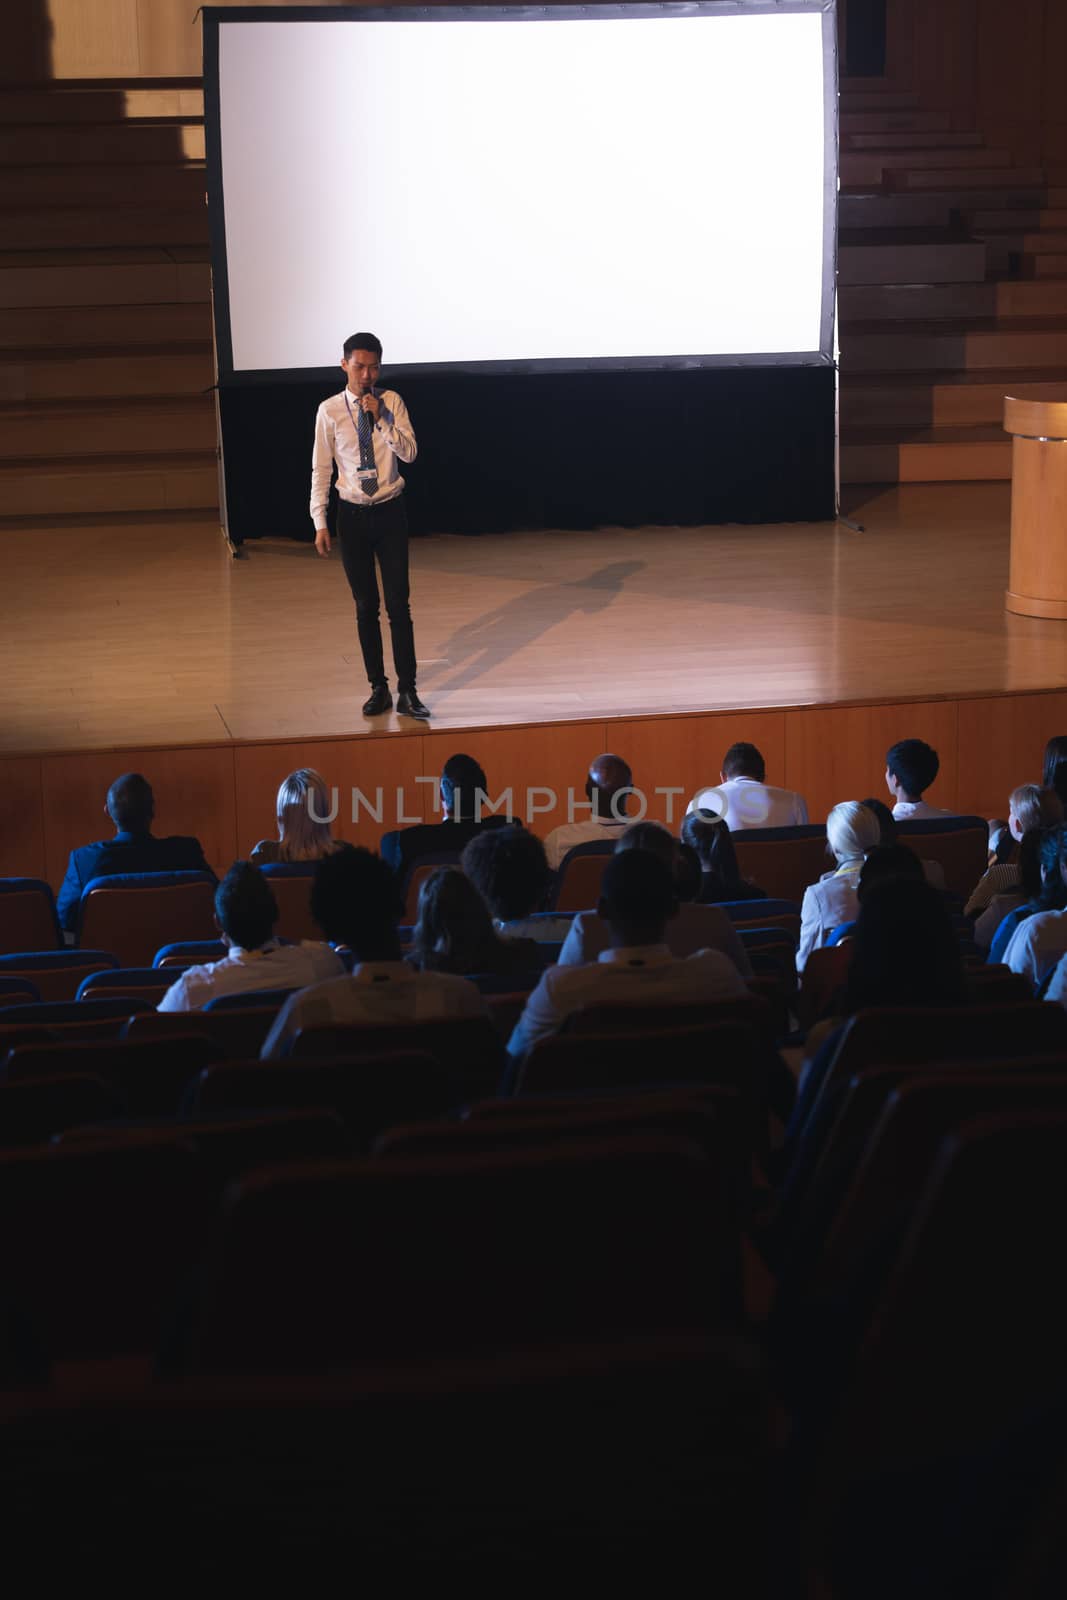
(464, 791)
(131, 807)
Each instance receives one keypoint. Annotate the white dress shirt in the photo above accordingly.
(747, 803)
(376, 993)
(273, 966)
(639, 975)
(1036, 945)
(919, 811)
(825, 906)
(568, 834)
(1057, 989)
(692, 928)
(337, 439)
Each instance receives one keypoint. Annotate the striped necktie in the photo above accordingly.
(365, 430)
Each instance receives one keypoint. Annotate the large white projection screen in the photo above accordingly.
(523, 190)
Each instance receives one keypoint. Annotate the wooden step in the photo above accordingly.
(910, 302)
(909, 140)
(95, 225)
(1024, 342)
(895, 121)
(909, 256)
(122, 102)
(963, 201)
(1028, 219)
(938, 399)
(142, 426)
(949, 455)
(873, 208)
(992, 178)
(875, 166)
(88, 374)
(1037, 241)
(172, 482)
(61, 327)
(105, 277)
(183, 186)
(123, 144)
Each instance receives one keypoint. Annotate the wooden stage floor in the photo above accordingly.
(148, 634)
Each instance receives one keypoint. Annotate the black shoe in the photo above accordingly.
(408, 704)
(380, 701)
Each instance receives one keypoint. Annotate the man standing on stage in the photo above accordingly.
(367, 430)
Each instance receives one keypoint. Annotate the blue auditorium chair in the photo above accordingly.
(28, 918)
(56, 974)
(133, 913)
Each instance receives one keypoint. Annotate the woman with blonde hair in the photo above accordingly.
(852, 829)
(302, 800)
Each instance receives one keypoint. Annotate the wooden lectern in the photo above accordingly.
(1037, 586)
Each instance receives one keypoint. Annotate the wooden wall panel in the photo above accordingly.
(95, 38)
(366, 765)
(526, 759)
(193, 791)
(837, 753)
(688, 751)
(1001, 745)
(22, 853)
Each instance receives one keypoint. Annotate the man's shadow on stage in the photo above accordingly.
(488, 641)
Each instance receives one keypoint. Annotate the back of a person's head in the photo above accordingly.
(302, 806)
(709, 835)
(509, 868)
(913, 764)
(851, 831)
(651, 836)
(637, 892)
(1054, 765)
(462, 780)
(887, 823)
(1052, 854)
(904, 949)
(245, 907)
(744, 761)
(354, 900)
(609, 777)
(453, 929)
(130, 803)
(1035, 807)
(885, 862)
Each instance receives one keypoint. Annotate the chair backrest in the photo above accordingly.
(34, 1112)
(369, 1093)
(290, 883)
(960, 846)
(75, 1019)
(57, 974)
(415, 876)
(235, 1035)
(151, 1077)
(577, 882)
(145, 983)
(189, 953)
(822, 981)
(249, 1000)
(477, 1254)
(784, 861)
(133, 913)
(15, 990)
(28, 918)
(469, 1048)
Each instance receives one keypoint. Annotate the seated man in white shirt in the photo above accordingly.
(245, 914)
(353, 900)
(608, 785)
(744, 797)
(691, 927)
(910, 768)
(637, 899)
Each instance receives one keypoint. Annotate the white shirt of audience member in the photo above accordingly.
(272, 966)
(1036, 946)
(748, 803)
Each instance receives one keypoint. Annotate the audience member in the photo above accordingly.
(708, 835)
(851, 831)
(1054, 767)
(509, 869)
(353, 900)
(131, 807)
(303, 800)
(910, 768)
(744, 798)
(464, 794)
(1040, 939)
(455, 933)
(690, 927)
(882, 864)
(1005, 911)
(638, 968)
(245, 915)
(607, 786)
(933, 871)
(1028, 808)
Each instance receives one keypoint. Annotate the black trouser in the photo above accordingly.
(382, 531)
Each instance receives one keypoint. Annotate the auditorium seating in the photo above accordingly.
(150, 1077)
(134, 913)
(146, 983)
(959, 845)
(290, 884)
(416, 876)
(28, 918)
(57, 974)
(576, 886)
(184, 953)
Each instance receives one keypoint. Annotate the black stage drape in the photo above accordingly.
(680, 447)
